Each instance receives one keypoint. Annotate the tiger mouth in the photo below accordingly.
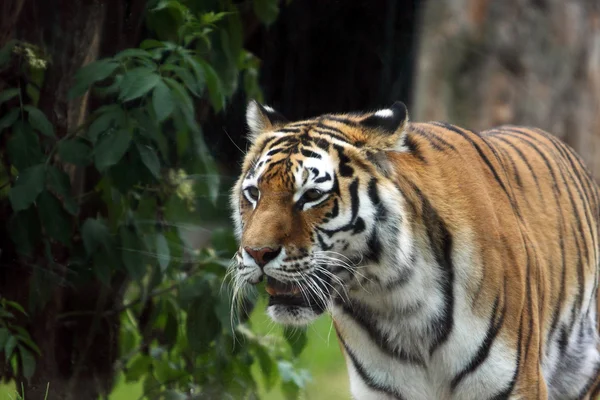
(293, 294)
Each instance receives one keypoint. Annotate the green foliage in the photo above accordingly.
(15, 341)
(154, 177)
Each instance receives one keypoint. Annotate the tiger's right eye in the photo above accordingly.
(253, 193)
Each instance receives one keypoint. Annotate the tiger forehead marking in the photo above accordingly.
(292, 167)
(455, 264)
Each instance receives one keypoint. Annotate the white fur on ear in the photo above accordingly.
(261, 119)
(389, 120)
(255, 119)
(387, 113)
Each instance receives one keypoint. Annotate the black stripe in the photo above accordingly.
(289, 130)
(367, 379)
(413, 148)
(366, 318)
(335, 210)
(355, 203)
(341, 120)
(528, 298)
(344, 167)
(310, 154)
(440, 241)
(482, 155)
(374, 248)
(373, 192)
(515, 169)
(569, 192)
(435, 141)
(325, 178)
(332, 131)
(523, 158)
(585, 181)
(484, 349)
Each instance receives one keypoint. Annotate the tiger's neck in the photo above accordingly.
(399, 306)
(393, 318)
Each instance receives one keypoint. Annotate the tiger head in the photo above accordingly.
(311, 204)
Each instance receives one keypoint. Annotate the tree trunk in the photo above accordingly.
(78, 353)
(483, 63)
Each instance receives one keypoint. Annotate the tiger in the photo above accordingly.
(454, 264)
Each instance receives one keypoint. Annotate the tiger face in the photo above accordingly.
(307, 204)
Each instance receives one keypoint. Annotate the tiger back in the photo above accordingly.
(454, 264)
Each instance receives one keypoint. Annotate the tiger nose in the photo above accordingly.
(264, 255)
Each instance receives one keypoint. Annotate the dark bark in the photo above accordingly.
(79, 352)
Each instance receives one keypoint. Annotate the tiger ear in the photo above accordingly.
(262, 119)
(387, 127)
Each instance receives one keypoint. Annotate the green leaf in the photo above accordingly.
(8, 94)
(266, 10)
(133, 53)
(24, 230)
(16, 306)
(139, 367)
(24, 147)
(197, 68)
(129, 172)
(108, 116)
(29, 185)
(39, 122)
(28, 362)
(59, 182)
(172, 324)
(75, 151)
(266, 365)
(215, 89)
(296, 338)
(95, 234)
(150, 159)
(133, 253)
(203, 325)
(111, 148)
(9, 118)
(90, 74)
(137, 82)
(151, 44)
(162, 252)
(162, 101)
(54, 219)
(180, 94)
(24, 337)
(100, 126)
(194, 85)
(9, 346)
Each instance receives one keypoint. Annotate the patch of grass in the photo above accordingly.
(8, 391)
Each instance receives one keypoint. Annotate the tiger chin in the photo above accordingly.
(454, 264)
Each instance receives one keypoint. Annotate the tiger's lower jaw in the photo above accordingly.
(292, 315)
(288, 305)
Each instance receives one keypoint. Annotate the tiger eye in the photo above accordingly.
(253, 192)
(312, 195)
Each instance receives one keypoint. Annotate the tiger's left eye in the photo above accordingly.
(253, 193)
(311, 195)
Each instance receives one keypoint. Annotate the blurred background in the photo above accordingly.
(122, 130)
